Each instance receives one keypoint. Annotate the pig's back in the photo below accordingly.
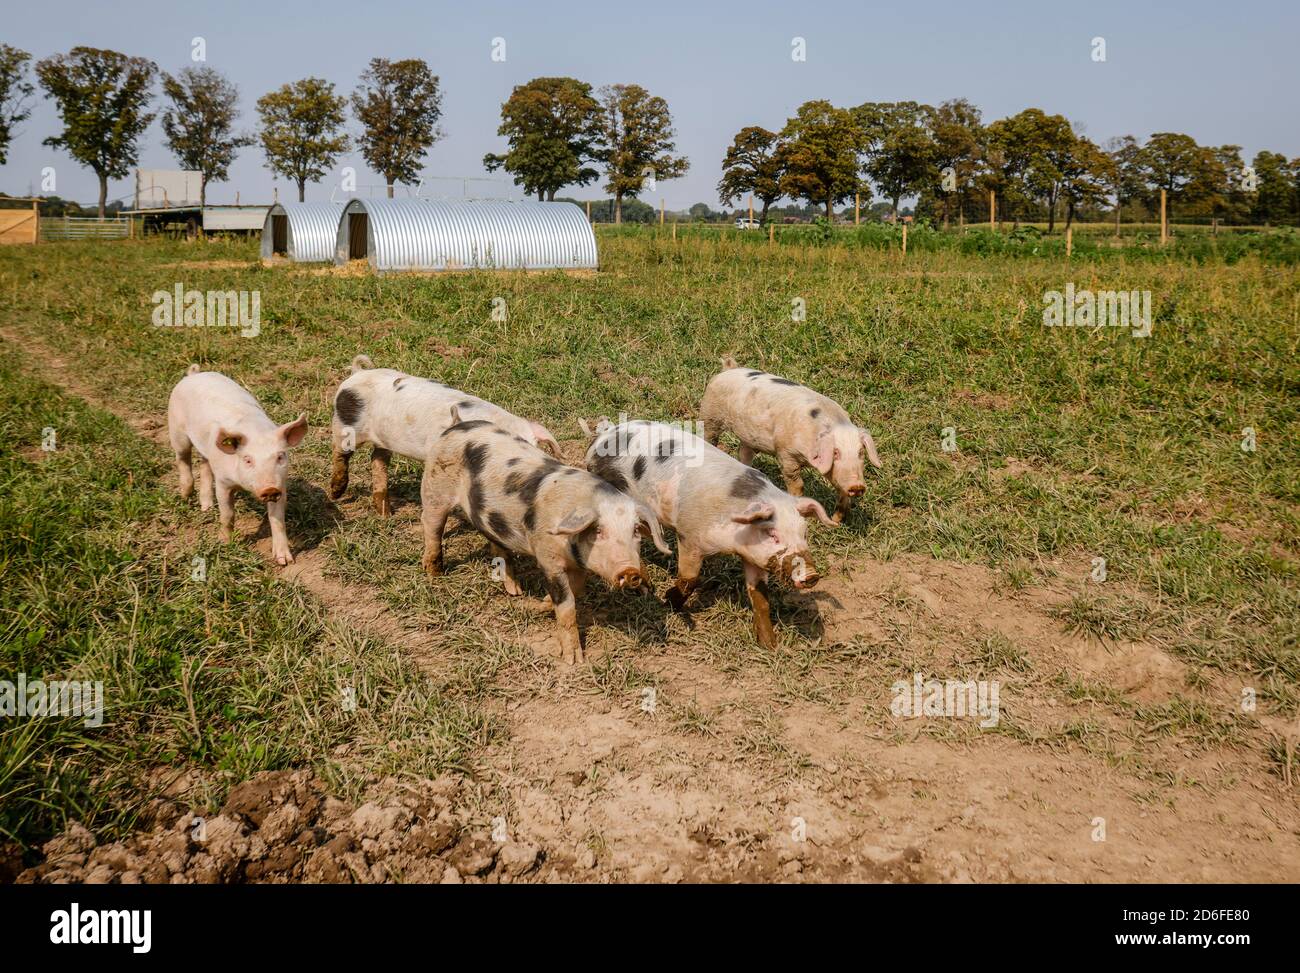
(406, 413)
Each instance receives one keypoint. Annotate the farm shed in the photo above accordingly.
(303, 232)
(423, 234)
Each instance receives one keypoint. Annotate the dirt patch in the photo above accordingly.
(282, 826)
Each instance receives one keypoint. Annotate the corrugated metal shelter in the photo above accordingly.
(424, 234)
(303, 232)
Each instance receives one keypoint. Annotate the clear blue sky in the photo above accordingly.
(1223, 72)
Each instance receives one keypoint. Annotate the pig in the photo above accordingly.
(403, 414)
(239, 447)
(525, 502)
(717, 505)
(798, 426)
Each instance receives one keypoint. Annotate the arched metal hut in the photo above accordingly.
(424, 234)
(303, 232)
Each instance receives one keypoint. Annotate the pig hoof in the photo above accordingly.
(838, 516)
(675, 599)
(284, 559)
(432, 568)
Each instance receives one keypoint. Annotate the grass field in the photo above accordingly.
(1072, 444)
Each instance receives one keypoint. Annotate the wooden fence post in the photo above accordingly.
(661, 211)
(857, 202)
(1164, 220)
(36, 221)
(751, 207)
(904, 239)
(674, 231)
(993, 208)
(588, 211)
(771, 233)
(1069, 240)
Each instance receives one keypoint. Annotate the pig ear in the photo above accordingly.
(823, 454)
(651, 523)
(292, 432)
(575, 523)
(229, 442)
(455, 416)
(545, 439)
(870, 445)
(809, 507)
(755, 512)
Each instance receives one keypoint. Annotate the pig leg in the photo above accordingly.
(433, 517)
(710, 431)
(226, 507)
(842, 508)
(207, 491)
(566, 617)
(501, 558)
(379, 480)
(746, 455)
(792, 471)
(279, 538)
(756, 584)
(339, 473)
(689, 562)
(185, 469)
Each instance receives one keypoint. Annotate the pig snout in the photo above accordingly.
(629, 579)
(269, 494)
(856, 490)
(801, 572)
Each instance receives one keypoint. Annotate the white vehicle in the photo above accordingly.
(745, 223)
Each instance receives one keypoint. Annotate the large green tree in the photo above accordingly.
(552, 126)
(1126, 182)
(1275, 196)
(1175, 163)
(101, 97)
(957, 131)
(754, 165)
(898, 148)
(301, 130)
(398, 105)
(15, 95)
(1035, 149)
(819, 155)
(199, 124)
(636, 142)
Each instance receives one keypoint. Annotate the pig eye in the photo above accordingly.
(774, 536)
(280, 458)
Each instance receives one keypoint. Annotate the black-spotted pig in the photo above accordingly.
(525, 502)
(717, 506)
(798, 426)
(404, 414)
(240, 446)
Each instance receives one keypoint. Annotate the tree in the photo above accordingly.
(898, 147)
(199, 124)
(300, 130)
(753, 164)
(1124, 173)
(636, 142)
(956, 130)
(101, 97)
(1036, 150)
(1086, 177)
(15, 95)
(398, 105)
(819, 155)
(1275, 199)
(1175, 163)
(552, 126)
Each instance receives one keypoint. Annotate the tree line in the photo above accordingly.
(558, 130)
(561, 132)
(1034, 164)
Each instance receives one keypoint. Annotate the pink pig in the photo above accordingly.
(240, 447)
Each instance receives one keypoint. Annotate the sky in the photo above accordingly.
(1222, 72)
